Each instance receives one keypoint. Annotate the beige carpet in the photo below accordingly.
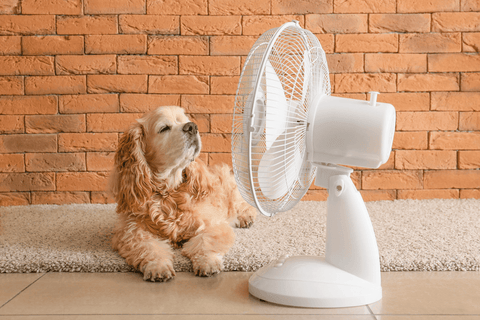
(412, 235)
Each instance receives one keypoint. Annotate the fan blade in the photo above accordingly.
(276, 106)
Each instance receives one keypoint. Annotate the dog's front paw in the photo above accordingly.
(208, 265)
(246, 218)
(158, 271)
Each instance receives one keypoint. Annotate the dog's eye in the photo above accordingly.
(164, 129)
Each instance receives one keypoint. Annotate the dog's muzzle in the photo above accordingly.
(190, 128)
(191, 131)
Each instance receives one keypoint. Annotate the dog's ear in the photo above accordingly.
(131, 182)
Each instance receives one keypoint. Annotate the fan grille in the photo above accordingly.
(295, 61)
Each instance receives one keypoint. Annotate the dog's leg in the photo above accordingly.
(145, 252)
(207, 248)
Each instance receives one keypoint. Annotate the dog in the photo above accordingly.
(168, 198)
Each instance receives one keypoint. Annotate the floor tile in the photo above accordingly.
(429, 293)
(127, 293)
(195, 317)
(13, 283)
(430, 317)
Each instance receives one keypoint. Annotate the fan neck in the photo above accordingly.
(327, 170)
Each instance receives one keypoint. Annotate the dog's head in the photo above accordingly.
(157, 148)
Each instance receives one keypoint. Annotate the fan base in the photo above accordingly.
(304, 281)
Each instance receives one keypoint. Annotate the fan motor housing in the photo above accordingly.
(350, 132)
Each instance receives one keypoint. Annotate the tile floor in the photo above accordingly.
(86, 296)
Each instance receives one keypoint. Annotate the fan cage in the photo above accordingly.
(300, 66)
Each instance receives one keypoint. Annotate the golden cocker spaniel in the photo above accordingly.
(166, 198)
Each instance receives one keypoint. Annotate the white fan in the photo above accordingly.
(288, 130)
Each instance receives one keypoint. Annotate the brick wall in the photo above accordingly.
(75, 73)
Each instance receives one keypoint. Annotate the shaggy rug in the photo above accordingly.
(412, 235)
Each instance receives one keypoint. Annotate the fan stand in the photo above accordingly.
(348, 275)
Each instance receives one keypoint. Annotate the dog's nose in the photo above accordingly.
(190, 128)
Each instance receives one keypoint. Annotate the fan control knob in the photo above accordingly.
(281, 261)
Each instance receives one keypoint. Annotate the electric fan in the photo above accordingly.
(288, 130)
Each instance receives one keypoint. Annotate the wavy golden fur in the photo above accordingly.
(166, 198)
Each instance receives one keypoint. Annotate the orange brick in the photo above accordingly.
(469, 121)
(453, 62)
(216, 142)
(301, 6)
(256, 25)
(345, 62)
(428, 82)
(110, 122)
(470, 81)
(23, 25)
(117, 83)
(431, 42)
(446, 179)
(173, 7)
(378, 195)
(366, 43)
(74, 142)
(399, 23)
(220, 158)
(470, 5)
(73, 7)
(327, 41)
(55, 123)
(468, 159)
(221, 123)
(52, 45)
(208, 103)
(10, 45)
(10, 6)
(427, 5)
(208, 65)
(406, 101)
(28, 105)
(178, 84)
(150, 24)
(147, 65)
(454, 140)
(456, 101)
(17, 65)
(82, 181)
(101, 197)
(455, 21)
(27, 181)
(428, 194)
(315, 195)
(358, 96)
(12, 124)
(178, 45)
(425, 159)
(337, 23)
(100, 161)
(146, 102)
(211, 25)
(471, 42)
(395, 62)
(382, 82)
(55, 85)
(392, 179)
(120, 44)
(239, 7)
(366, 6)
(55, 162)
(94, 64)
(14, 198)
(414, 121)
(87, 25)
(201, 120)
(28, 143)
(231, 45)
(11, 85)
(114, 6)
(60, 198)
(470, 194)
(410, 140)
(88, 103)
(224, 85)
(12, 163)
